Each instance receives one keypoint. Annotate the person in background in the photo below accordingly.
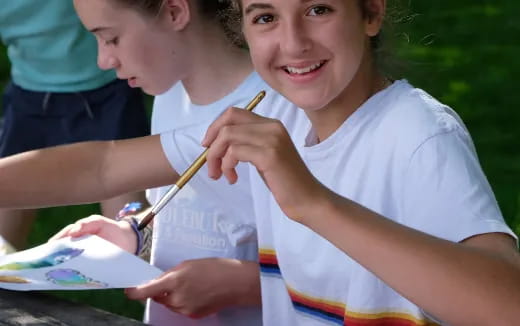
(57, 95)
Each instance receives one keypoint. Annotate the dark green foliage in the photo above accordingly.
(465, 53)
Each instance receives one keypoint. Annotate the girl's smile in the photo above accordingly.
(304, 72)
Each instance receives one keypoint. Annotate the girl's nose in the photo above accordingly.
(106, 60)
(296, 39)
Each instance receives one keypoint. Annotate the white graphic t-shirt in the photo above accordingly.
(402, 154)
(207, 218)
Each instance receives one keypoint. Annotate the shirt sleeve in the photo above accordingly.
(446, 193)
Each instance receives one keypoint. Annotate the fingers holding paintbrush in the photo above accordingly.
(227, 138)
(188, 174)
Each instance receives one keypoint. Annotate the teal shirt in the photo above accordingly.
(49, 49)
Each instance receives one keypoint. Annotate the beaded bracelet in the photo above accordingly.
(129, 209)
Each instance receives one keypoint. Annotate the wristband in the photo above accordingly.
(134, 224)
(127, 214)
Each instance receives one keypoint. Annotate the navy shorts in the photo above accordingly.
(35, 120)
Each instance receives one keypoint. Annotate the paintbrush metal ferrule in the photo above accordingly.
(188, 174)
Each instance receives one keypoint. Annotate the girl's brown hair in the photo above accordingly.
(218, 11)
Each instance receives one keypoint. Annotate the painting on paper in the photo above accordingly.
(74, 264)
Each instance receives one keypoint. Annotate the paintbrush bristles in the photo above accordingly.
(146, 220)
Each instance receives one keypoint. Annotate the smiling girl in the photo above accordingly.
(383, 216)
(205, 241)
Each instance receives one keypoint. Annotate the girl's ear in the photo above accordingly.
(374, 16)
(178, 12)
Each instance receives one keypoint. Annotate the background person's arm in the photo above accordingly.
(83, 172)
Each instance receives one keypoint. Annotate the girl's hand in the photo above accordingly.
(242, 136)
(119, 233)
(197, 288)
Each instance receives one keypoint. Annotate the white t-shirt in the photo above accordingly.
(207, 218)
(401, 154)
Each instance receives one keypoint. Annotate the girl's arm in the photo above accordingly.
(83, 172)
(476, 282)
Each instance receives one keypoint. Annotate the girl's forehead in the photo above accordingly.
(93, 7)
(104, 12)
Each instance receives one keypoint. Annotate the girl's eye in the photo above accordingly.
(113, 41)
(263, 19)
(319, 10)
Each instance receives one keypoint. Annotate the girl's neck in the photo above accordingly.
(365, 83)
(218, 67)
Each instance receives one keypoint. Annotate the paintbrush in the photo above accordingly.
(186, 176)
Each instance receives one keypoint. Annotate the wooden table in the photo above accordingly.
(36, 309)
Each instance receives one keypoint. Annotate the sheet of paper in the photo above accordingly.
(85, 263)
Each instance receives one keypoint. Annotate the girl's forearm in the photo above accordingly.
(52, 176)
(246, 283)
(83, 172)
(457, 283)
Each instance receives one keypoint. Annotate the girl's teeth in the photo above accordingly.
(300, 71)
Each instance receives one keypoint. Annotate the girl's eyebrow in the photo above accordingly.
(255, 6)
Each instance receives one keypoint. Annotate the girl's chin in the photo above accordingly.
(307, 104)
(159, 89)
(154, 91)
(307, 97)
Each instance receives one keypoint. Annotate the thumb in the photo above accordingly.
(81, 229)
(61, 234)
(151, 289)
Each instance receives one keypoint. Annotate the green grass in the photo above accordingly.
(463, 52)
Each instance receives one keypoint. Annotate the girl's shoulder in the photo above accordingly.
(407, 117)
(416, 114)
